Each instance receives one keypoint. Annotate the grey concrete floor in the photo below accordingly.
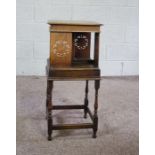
(118, 132)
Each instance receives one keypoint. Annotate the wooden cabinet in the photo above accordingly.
(70, 46)
(70, 42)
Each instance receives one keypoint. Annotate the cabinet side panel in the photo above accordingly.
(60, 49)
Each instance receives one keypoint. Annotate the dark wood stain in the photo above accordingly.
(78, 66)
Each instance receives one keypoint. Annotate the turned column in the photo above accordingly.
(95, 117)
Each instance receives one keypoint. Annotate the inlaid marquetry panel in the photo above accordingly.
(81, 45)
(61, 49)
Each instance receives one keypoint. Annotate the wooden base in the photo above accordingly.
(50, 107)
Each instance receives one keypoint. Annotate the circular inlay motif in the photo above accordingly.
(81, 42)
(61, 48)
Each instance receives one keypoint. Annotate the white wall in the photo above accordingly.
(119, 37)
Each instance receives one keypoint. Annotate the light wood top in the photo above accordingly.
(73, 22)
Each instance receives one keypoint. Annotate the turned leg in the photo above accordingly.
(49, 108)
(95, 119)
(47, 91)
(86, 100)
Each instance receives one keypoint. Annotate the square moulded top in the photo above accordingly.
(73, 26)
(73, 23)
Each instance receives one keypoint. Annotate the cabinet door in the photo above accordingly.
(60, 50)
